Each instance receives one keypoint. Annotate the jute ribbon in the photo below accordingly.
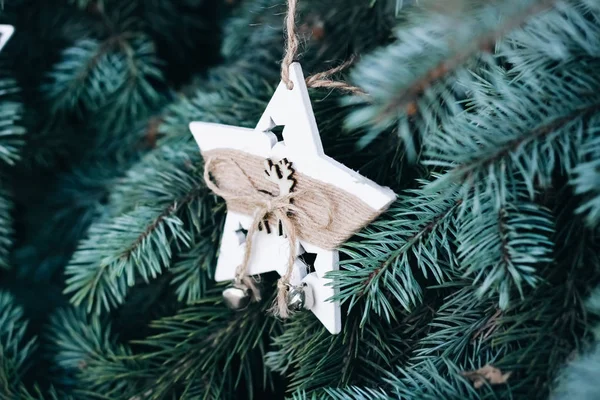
(281, 207)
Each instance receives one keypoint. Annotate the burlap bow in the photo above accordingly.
(265, 205)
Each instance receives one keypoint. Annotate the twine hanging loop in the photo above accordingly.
(319, 80)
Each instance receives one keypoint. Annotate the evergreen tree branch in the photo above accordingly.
(430, 381)
(131, 248)
(138, 242)
(312, 358)
(349, 392)
(434, 54)
(534, 337)
(530, 338)
(15, 349)
(6, 228)
(548, 131)
(427, 285)
(407, 99)
(586, 181)
(455, 328)
(11, 129)
(501, 248)
(572, 23)
(89, 360)
(118, 76)
(194, 268)
(206, 350)
(497, 147)
(417, 229)
(163, 178)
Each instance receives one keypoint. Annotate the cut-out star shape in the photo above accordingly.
(301, 144)
(241, 234)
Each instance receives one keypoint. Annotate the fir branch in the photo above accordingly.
(138, 242)
(453, 330)
(15, 349)
(349, 392)
(570, 27)
(6, 228)
(429, 381)
(501, 248)
(163, 178)
(416, 229)
(407, 99)
(83, 347)
(497, 147)
(194, 268)
(478, 120)
(11, 129)
(117, 253)
(191, 349)
(117, 76)
(586, 180)
(469, 172)
(533, 338)
(433, 54)
(79, 63)
(312, 358)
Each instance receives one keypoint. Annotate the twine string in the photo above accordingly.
(319, 80)
(281, 207)
(292, 43)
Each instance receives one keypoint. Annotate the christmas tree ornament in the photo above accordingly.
(237, 296)
(300, 297)
(6, 31)
(289, 198)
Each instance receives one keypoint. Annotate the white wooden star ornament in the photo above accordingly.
(328, 204)
(6, 31)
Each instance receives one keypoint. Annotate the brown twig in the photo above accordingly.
(488, 328)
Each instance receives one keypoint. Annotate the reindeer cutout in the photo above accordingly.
(280, 173)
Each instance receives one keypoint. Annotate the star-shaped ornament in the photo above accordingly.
(328, 202)
(6, 31)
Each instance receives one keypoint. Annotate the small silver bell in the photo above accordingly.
(300, 297)
(237, 296)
